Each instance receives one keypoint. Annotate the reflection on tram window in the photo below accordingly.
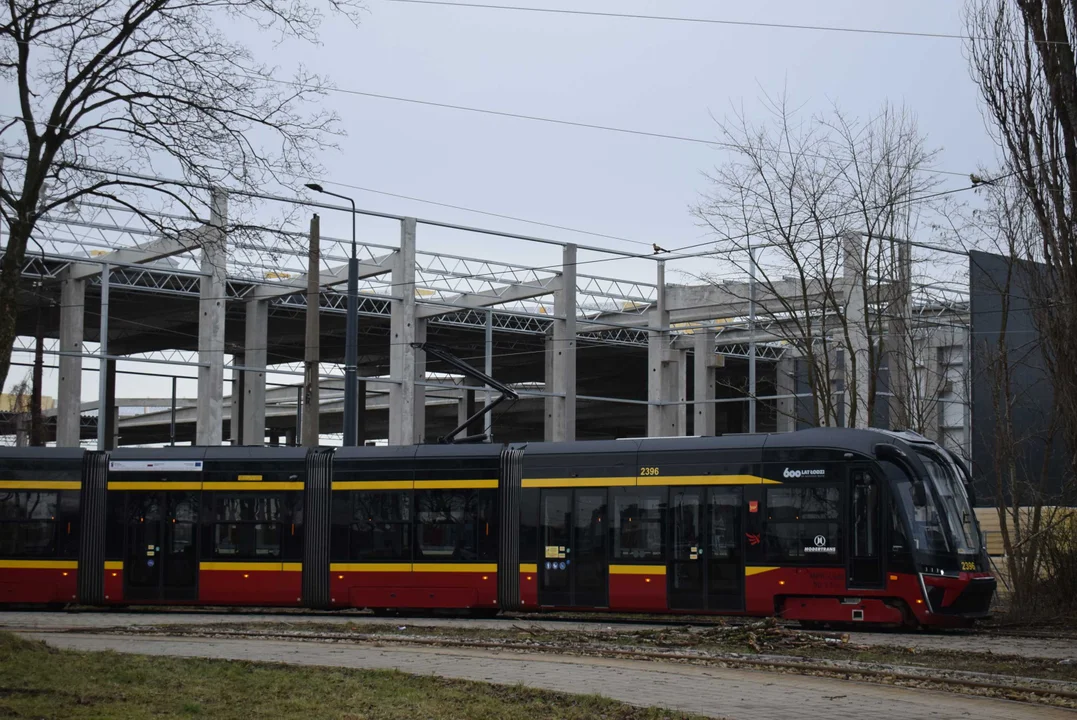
(28, 523)
(638, 524)
(371, 526)
(446, 525)
(803, 525)
(456, 525)
(248, 526)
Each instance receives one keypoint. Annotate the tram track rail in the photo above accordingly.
(568, 618)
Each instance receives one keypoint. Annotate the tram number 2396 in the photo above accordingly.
(648, 472)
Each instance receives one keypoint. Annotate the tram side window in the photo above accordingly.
(28, 523)
(804, 525)
(637, 525)
(68, 530)
(380, 525)
(455, 525)
(292, 530)
(115, 524)
(247, 526)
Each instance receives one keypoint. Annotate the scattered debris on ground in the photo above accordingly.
(765, 645)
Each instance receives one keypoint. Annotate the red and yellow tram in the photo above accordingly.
(826, 525)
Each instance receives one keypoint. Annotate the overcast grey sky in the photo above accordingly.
(649, 75)
(645, 74)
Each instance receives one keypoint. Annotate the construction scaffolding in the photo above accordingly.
(217, 304)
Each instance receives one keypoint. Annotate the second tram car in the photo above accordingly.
(824, 525)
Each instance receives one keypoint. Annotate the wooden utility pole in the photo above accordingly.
(312, 352)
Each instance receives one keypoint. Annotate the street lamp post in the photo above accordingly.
(351, 360)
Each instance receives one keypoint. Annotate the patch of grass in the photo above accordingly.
(39, 682)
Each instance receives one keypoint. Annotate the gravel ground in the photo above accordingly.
(1055, 648)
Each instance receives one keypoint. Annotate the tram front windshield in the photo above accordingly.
(918, 505)
(954, 503)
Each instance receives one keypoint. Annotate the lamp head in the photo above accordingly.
(315, 187)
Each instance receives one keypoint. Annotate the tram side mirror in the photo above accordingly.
(886, 451)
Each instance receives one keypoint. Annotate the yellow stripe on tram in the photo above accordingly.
(39, 564)
(578, 482)
(114, 564)
(369, 567)
(454, 567)
(660, 480)
(128, 485)
(414, 484)
(759, 569)
(253, 486)
(243, 566)
(637, 569)
(528, 568)
(40, 485)
(373, 485)
(454, 484)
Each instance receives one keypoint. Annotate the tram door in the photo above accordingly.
(706, 567)
(573, 566)
(161, 546)
(867, 511)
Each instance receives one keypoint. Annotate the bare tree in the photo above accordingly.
(112, 93)
(1024, 433)
(1022, 57)
(822, 207)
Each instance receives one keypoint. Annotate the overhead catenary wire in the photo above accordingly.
(927, 34)
(580, 124)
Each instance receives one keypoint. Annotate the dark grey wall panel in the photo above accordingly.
(995, 280)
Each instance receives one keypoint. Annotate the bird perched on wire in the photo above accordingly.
(658, 248)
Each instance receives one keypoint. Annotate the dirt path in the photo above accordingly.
(734, 694)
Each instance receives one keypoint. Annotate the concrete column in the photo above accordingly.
(785, 388)
(254, 381)
(211, 314)
(548, 387)
(680, 390)
(406, 398)
(235, 418)
(663, 416)
(419, 412)
(468, 405)
(360, 425)
(69, 395)
(856, 383)
(703, 383)
(561, 408)
(110, 413)
(309, 433)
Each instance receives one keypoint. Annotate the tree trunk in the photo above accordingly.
(10, 273)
